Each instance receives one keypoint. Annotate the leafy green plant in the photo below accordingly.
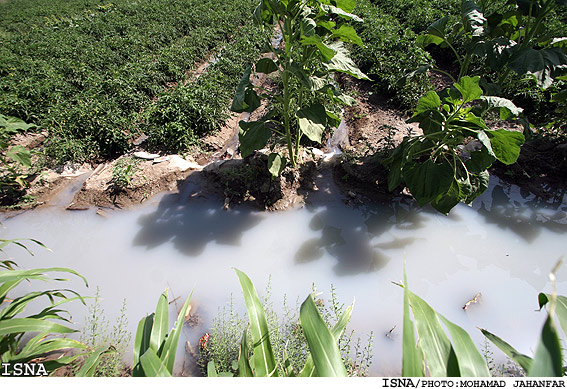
(286, 335)
(313, 34)
(15, 347)
(448, 163)
(13, 159)
(123, 172)
(458, 356)
(154, 347)
(324, 358)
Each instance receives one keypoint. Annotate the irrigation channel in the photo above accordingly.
(502, 247)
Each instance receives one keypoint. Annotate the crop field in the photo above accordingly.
(344, 128)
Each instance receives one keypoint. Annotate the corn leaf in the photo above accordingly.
(16, 326)
(547, 361)
(471, 362)
(142, 343)
(89, 367)
(337, 330)
(413, 364)
(264, 360)
(436, 346)
(244, 369)
(523, 360)
(322, 344)
(170, 347)
(161, 324)
(152, 365)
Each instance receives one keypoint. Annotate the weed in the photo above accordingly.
(96, 334)
(123, 172)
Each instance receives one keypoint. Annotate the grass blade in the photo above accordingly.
(471, 362)
(264, 360)
(322, 344)
(523, 360)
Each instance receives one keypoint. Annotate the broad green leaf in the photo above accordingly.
(211, 369)
(170, 347)
(312, 121)
(559, 96)
(542, 64)
(560, 308)
(338, 11)
(506, 108)
(253, 136)
(276, 164)
(347, 34)
(428, 102)
(429, 39)
(245, 98)
(506, 144)
(322, 344)
(471, 362)
(161, 324)
(523, 360)
(435, 344)
(297, 70)
(20, 154)
(427, 180)
(13, 124)
(315, 40)
(346, 5)
(472, 16)
(266, 66)
(20, 325)
(469, 88)
(342, 62)
(152, 365)
(548, 361)
(264, 360)
(412, 355)
(439, 27)
(337, 330)
(142, 343)
(244, 369)
(90, 365)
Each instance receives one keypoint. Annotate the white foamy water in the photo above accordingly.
(502, 247)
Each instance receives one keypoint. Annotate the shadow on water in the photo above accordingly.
(512, 208)
(190, 221)
(348, 231)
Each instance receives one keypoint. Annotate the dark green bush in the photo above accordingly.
(86, 69)
(389, 53)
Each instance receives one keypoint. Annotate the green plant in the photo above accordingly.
(448, 163)
(286, 336)
(12, 159)
(458, 356)
(324, 358)
(313, 34)
(154, 347)
(123, 172)
(96, 334)
(15, 328)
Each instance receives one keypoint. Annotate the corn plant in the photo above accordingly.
(154, 347)
(324, 359)
(14, 348)
(313, 34)
(455, 355)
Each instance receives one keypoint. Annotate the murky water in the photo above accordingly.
(502, 247)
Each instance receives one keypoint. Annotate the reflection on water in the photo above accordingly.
(503, 247)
